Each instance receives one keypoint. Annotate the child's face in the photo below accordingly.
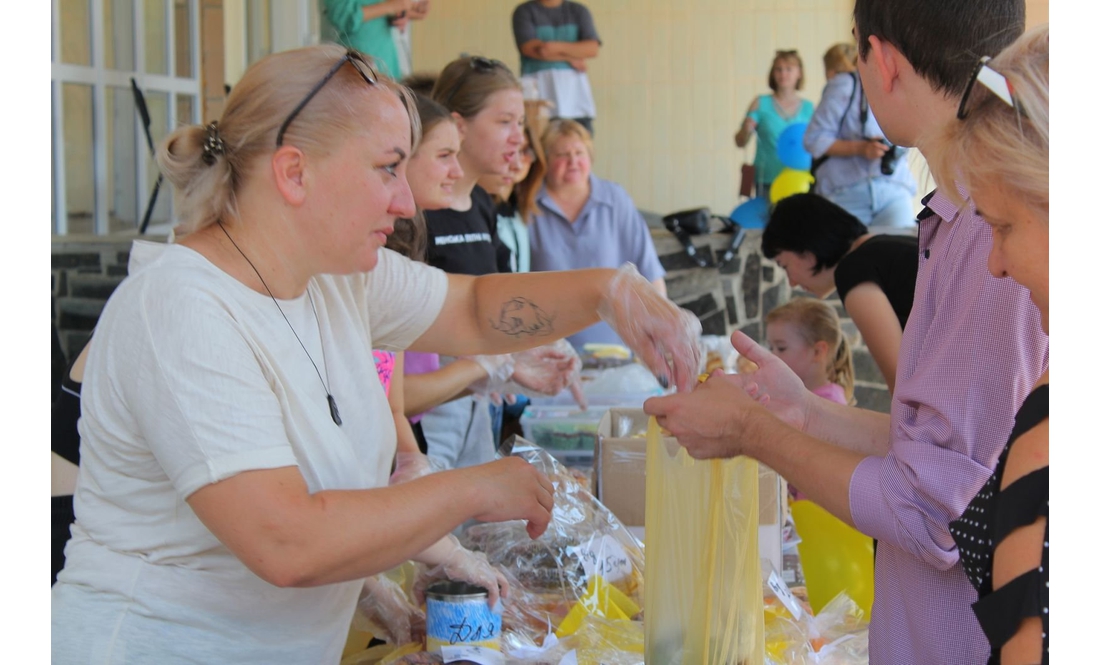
(793, 349)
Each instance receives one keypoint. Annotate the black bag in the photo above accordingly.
(696, 221)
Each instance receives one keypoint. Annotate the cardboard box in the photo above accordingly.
(619, 480)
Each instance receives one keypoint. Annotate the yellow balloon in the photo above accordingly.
(790, 182)
(835, 557)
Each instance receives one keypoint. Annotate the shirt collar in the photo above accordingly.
(938, 203)
(600, 193)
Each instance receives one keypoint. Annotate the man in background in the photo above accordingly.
(555, 38)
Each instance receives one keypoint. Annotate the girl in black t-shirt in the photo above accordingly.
(823, 248)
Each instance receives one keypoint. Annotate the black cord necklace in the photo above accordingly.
(333, 410)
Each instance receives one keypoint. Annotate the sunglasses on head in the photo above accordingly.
(477, 64)
(991, 80)
(357, 61)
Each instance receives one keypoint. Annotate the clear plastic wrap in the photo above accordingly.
(662, 335)
(587, 565)
(835, 636)
(703, 604)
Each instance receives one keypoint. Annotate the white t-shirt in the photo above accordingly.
(194, 378)
(569, 91)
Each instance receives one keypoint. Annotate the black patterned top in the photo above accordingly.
(989, 518)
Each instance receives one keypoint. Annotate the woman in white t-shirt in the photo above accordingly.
(235, 439)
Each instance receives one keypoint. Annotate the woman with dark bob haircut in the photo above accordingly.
(823, 248)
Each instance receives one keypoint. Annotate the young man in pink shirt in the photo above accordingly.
(967, 360)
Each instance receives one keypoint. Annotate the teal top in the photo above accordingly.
(513, 233)
(342, 22)
(770, 123)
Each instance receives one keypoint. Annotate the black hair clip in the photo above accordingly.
(212, 144)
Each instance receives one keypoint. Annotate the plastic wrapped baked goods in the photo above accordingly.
(584, 547)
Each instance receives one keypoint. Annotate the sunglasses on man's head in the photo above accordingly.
(357, 61)
(477, 64)
(991, 80)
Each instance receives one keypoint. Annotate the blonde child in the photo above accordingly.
(805, 333)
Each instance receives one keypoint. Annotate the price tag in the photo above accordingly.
(604, 556)
(783, 593)
(479, 655)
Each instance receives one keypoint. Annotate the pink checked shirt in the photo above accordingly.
(972, 349)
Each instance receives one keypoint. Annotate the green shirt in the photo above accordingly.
(342, 22)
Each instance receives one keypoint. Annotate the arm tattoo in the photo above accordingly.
(520, 316)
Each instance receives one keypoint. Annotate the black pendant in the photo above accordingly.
(332, 409)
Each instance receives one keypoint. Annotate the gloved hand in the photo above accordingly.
(547, 370)
(666, 338)
(385, 611)
(448, 560)
(498, 369)
(410, 466)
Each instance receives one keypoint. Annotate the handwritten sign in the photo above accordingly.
(604, 556)
(461, 623)
(479, 655)
(783, 593)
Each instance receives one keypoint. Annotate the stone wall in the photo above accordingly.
(84, 274)
(739, 294)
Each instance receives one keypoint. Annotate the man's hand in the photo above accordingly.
(578, 65)
(774, 384)
(548, 51)
(708, 421)
(873, 149)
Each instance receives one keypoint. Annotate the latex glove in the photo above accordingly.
(500, 399)
(498, 370)
(547, 370)
(666, 338)
(451, 561)
(410, 466)
(385, 611)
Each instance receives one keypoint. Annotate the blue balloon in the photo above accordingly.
(789, 148)
(752, 214)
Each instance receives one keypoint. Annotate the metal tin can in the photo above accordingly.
(459, 614)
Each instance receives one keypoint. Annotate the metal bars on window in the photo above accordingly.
(102, 171)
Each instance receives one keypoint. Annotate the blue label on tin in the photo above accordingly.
(462, 622)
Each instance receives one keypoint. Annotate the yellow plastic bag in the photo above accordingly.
(703, 603)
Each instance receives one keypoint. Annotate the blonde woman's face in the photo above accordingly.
(1021, 244)
(360, 190)
(491, 139)
(569, 162)
(434, 169)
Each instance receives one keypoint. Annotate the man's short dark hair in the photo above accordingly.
(942, 39)
(811, 223)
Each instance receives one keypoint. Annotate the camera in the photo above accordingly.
(890, 159)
